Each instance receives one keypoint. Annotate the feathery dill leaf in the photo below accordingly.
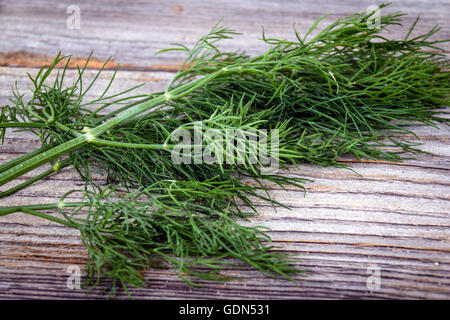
(345, 90)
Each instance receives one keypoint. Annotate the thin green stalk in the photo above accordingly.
(47, 217)
(56, 168)
(38, 207)
(20, 159)
(179, 92)
(21, 125)
(40, 159)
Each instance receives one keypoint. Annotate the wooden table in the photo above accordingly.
(392, 221)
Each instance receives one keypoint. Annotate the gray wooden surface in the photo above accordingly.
(394, 217)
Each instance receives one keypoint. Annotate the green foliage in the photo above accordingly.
(345, 90)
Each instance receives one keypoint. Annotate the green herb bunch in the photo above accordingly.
(345, 90)
(172, 228)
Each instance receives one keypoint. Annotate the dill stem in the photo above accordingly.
(22, 158)
(49, 217)
(139, 145)
(25, 184)
(40, 159)
(32, 209)
(21, 125)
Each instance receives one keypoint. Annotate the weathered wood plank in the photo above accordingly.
(33, 32)
(393, 216)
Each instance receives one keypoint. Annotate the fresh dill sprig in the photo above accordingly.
(170, 228)
(345, 90)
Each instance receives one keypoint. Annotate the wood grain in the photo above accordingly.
(34, 31)
(394, 216)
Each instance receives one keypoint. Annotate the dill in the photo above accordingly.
(346, 90)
